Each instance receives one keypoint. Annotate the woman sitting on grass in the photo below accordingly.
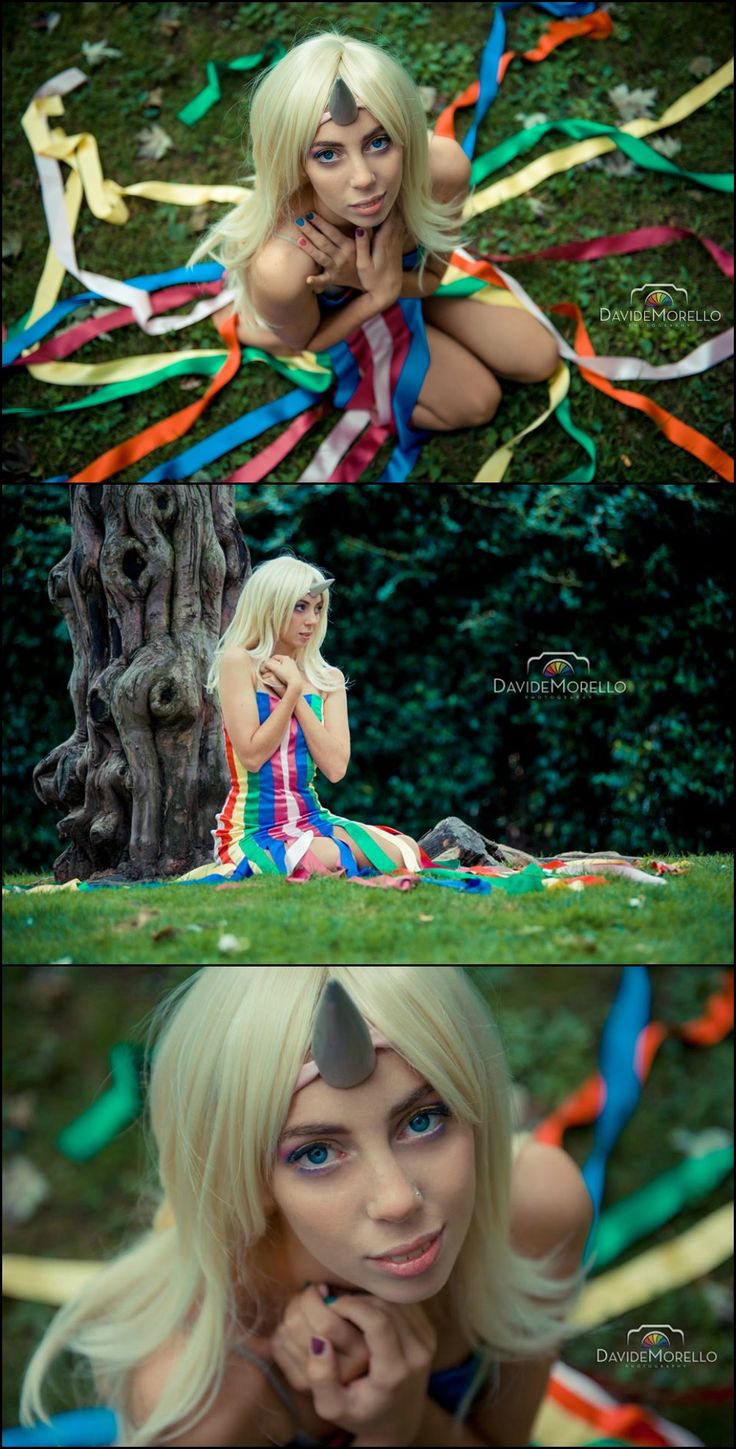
(285, 715)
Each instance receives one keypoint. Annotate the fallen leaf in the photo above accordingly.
(12, 244)
(631, 104)
(47, 22)
(666, 145)
(169, 20)
(155, 142)
(536, 118)
(701, 65)
(98, 51)
(24, 1189)
(228, 943)
(618, 165)
(20, 1110)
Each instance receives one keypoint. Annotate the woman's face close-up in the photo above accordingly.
(304, 622)
(346, 1188)
(349, 165)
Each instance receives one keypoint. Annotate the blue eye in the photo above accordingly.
(316, 1169)
(320, 154)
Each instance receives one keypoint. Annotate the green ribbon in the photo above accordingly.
(648, 1209)
(111, 1113)
(579, 130)
(272, 52)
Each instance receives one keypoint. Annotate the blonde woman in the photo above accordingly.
(285, 715)
(354, 203)
(307, 1122)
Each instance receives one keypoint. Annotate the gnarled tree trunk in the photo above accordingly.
(148, 586)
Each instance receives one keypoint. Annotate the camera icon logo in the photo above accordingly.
(654, 1335)
(658, 294)
(560, 665)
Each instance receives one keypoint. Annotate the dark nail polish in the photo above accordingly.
(332, 1299)
(318, 1346)
(310, 216)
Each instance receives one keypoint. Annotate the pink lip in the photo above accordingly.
(410, 1247)
(414, 1267)
(369, 205)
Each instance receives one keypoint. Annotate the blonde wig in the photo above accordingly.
(262, 614)
(231, 1041)
(286, 107)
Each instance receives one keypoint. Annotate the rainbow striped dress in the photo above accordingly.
(272, 815)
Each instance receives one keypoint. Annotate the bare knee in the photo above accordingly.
(326, 850)
(477, 406)
(485, 401)
(541, 362)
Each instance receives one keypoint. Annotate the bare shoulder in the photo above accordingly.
(237, 655)
(448, 161)
(277, 258)
(245, 1411)
(337, 695)
(549, 1198)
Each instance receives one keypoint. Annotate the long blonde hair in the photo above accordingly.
(286, 105)
(231, 1041)
(263, 612)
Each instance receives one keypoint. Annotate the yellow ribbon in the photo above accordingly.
(656, 1271)
(640, 1281)
(104, 198)
(580, 151)
(45, 1280)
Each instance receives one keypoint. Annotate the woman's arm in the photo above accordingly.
(410, 284)
(327, 752)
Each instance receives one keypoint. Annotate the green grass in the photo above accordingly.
(689, 920)
(652, 45)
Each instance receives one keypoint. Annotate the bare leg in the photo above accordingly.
(423, 417)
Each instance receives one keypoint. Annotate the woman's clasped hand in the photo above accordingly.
(333, 250)
(371, 265)
(283, 668)
(384, 1404)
